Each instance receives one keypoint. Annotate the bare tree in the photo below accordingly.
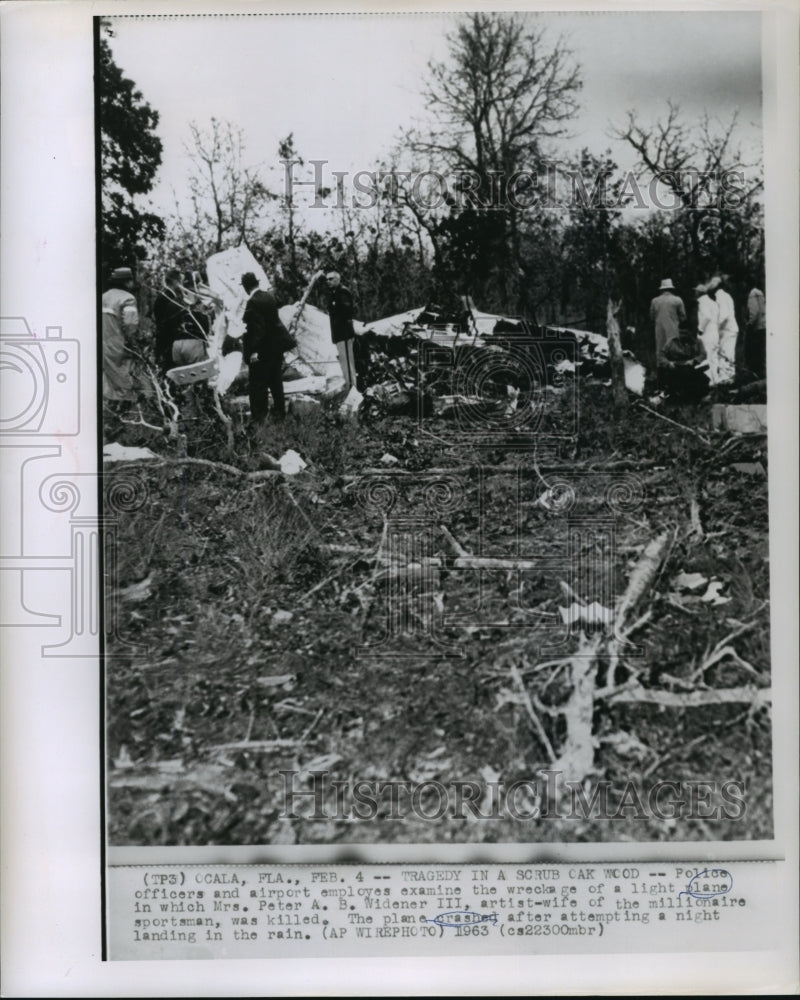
(504, 91)
(700, 168)
(226, 196)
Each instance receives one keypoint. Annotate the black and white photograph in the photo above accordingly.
(399, 498)
(434, 374)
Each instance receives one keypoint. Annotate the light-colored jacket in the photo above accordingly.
(756, 310)
(667, 312)
(120, 321)
(726, 314)
(707, 315)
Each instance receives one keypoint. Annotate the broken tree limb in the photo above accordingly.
(757, 697)
(465, 559)
(675, 423)
(141, 422)
(576, 758)
(577, 751)
(302, 304)
(312, 725)
(226, 420)
(623, 465)
(326, 581)
(232, 470)
(537, 724)
(619, 390)
(491, 562)
(722, 649)
(459, 549)
(257, 746)
(694, 515)
(641, 579)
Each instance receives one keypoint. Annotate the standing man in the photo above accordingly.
(755, 344)
(708, 328)
(262, 349)
(170, 315)
(667, 312)
(728, 328)
(120, 325)
(340, 311)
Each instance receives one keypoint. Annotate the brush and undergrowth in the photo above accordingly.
(241, 597)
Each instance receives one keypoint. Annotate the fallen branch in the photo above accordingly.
(257, 746)
(757, 697)
(675, 423)
(684, 750)
(577, 752)
(492, 562)
(232, 470)
(694, 515)
(260, 474)
(458, 548)
(721, 650)
(141, 422)
(641, 579)
(465, 559)
(463, 470)
(326, 581)
(295, 322)
(226, 420)
(537, 725)
(312, 725)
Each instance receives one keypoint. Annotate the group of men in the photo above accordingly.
(705, 347)
(709, 337)
(182, 322)
(266, 340)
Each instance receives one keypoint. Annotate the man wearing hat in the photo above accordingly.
(262, 350)
(667, 312)
(120, 324)
(340, 311)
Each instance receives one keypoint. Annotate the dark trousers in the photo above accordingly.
(265, 378)
(755, 353)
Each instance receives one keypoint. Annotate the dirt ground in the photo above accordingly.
(240, 601)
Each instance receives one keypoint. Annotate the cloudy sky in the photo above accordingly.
(345, 84)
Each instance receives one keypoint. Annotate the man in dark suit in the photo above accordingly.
(341, 311)
(171, 317)
(262, 350)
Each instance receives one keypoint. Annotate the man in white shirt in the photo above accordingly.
(708, 328)
(728, 329)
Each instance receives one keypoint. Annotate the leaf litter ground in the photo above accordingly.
(250, 596)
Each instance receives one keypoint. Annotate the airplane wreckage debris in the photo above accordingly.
(424, 360)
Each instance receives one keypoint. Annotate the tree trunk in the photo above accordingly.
(615, 356)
